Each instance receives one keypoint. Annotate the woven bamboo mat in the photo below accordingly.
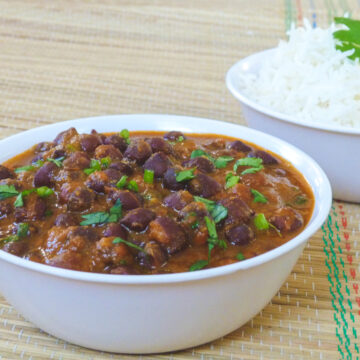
(66, 59)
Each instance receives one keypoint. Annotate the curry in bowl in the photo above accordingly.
(149, 203)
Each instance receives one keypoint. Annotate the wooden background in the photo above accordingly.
(62, 60)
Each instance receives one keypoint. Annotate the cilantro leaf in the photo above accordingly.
(222, 161)
(231, 180)
(22, 231)
(213, 239)
(116, 210)
(133, 186)
(210, 224)
(210, 204)
(24, 168)
(148, 176)
(240, 256)
(252, 170)
(119, 240)
(44, 191)
(7, 191)
(349, 38)
(122, 182)
(249, 161)
(258, 196)
(199, 152)
(254, 163)
(260, 222)
(217, 211)
(102, 217)
(19, 201)
(99, 217)
(300, 200)
(185, 175)
(58, 162)
(198, 265)
(105, 162)
(195, 225)
(98, 165)
(126, 135)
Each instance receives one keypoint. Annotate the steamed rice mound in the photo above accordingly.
(308, 79)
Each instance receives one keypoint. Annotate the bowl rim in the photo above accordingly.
(313, 225)
(230, 80)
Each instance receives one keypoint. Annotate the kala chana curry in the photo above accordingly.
(149, 203)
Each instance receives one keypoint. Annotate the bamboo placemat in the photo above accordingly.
(61, 60)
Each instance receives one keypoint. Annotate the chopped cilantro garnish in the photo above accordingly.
(105, 162)
(210, 224)
(222, 161)
(198, 265)
(102, 217)
(99, 217)
(252, 170)
(58, 162)
(119, 240)
(126, 135)
(260, 222)
(249, 161)
(19, 201)
(210, 204)
(148, 176)
(195, 225)
(180, 139)
(217, 211)
(133, 186)
(213, 239)
(44, 191)
(254, 163)
(219, 163)
(98, 165)
(115, 212)
(24, 168)
(259, 197)
(349, 38)
(240, 256)
(199, 152)
(22, 231)
(71, 148)
(7, 191)
(34, 166)
(122, 182)
(299, 200)
(231, 180)
(39, 163)
(185, 175)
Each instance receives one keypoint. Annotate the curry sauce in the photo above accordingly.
(148, 202)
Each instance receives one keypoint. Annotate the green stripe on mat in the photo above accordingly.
(339, 286)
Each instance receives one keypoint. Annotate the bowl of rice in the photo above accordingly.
(308, 93)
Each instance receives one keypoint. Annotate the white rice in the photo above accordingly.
(308, 79)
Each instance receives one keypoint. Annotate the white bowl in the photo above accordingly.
(155, 313)
(333, 147)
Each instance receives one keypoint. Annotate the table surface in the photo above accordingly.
(68, 59)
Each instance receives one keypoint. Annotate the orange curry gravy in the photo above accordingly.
(88, 202)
